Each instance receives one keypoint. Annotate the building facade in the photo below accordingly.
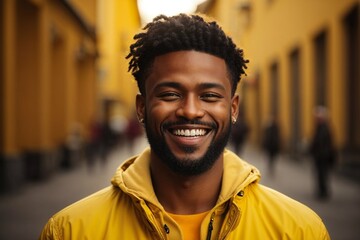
(48, 84)
(117, 23)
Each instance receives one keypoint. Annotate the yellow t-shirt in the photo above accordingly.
(190, 224)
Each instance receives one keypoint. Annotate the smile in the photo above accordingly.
(189, 132)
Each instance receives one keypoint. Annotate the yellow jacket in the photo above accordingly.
(130, 210)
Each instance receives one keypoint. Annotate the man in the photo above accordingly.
(186, 186)
(323, 152)
(271, 143)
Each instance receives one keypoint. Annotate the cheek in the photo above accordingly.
(160, 109)
(221, 114)
(220, 111)
(158, 113)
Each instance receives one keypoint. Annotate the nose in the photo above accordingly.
(190, 108)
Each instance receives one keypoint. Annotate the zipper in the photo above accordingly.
(210, 227)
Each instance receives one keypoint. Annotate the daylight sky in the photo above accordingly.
(151, 8)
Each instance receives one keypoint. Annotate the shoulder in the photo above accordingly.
(96, 202)
(281, 213)
(81, 216)
(279, 201)
(281, 205)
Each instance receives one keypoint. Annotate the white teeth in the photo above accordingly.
(189, 133)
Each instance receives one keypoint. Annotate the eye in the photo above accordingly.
(169, 96)
(211, 97)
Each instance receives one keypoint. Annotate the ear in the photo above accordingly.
(235, 102)
(140, 107)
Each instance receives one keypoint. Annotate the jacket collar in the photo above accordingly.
(133, 177)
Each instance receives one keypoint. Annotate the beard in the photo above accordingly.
(187, 166)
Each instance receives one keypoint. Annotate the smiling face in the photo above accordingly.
(187, 110)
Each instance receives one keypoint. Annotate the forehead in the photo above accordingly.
(188, 67)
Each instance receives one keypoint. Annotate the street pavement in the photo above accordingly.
(24, 213)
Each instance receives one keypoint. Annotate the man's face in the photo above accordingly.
(187, 110)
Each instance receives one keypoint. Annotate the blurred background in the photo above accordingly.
(67, 101)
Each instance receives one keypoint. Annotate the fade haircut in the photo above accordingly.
(178, 33)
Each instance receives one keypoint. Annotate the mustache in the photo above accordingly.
(168, 125)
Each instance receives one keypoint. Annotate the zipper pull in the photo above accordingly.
(167, 229)
(210, 228)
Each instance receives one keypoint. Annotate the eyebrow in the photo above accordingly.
(168, 84)
(212, 85)
(205, 85)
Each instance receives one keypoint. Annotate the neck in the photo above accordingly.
(186, 194)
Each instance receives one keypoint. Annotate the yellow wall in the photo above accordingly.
(48, 86)
(117, 23)
(87, 8)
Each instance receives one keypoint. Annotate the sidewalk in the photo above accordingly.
(23, 215)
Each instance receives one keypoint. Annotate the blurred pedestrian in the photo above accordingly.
(107, 140)
(271, 143)
(132, 132)
(239, 133)
(73, 147)
(94, 145)
(322, 151)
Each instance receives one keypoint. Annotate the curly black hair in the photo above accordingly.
(183, 32)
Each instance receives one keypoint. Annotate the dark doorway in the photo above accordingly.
(274, 86)
(295, 108)
(351, 151)
(320, 73)
(352, 49)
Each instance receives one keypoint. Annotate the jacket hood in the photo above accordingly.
(133, 177)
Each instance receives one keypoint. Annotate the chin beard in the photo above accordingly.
(187, 166)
